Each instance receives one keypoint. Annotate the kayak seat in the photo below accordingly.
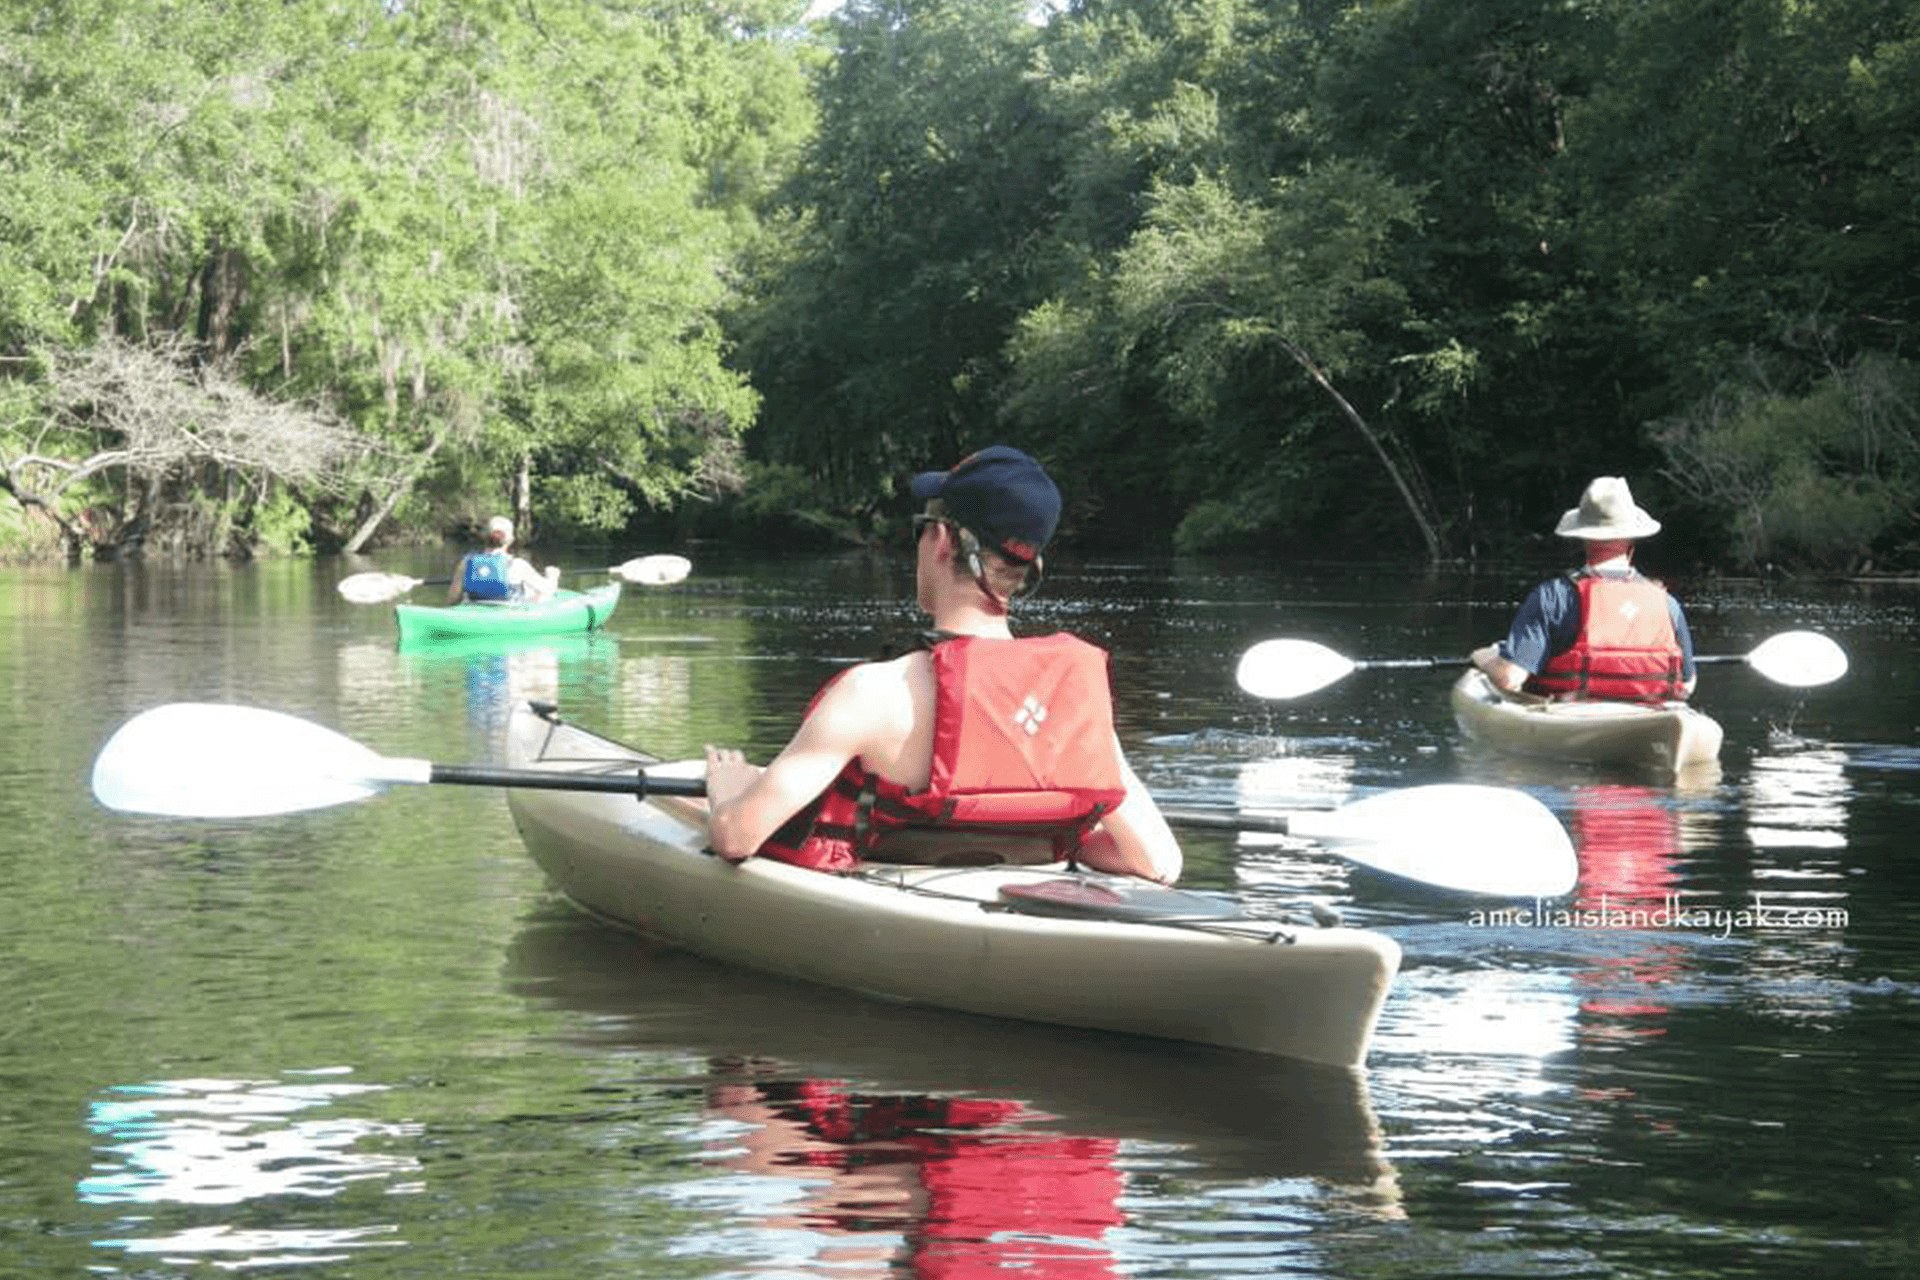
(942, 847)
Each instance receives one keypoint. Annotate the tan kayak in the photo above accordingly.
(1034, 943)
(1665, 739)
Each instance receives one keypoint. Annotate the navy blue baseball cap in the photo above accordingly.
(1002, 495)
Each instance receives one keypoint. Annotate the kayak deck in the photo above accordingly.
(1191, 968)
(566, 611)
(1665, 738)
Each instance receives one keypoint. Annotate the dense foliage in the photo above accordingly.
(1396, 276)
(492, 239)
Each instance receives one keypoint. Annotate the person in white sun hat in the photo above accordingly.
(493, 573)
(1604, 630)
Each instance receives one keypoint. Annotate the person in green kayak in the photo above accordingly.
(1604, 631)
(979, 747)
(494, 573)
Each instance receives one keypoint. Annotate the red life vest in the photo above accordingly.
(1022, 746)
(1626, 650)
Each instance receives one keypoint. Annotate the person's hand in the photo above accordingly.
(728, 775)
(1504, 673)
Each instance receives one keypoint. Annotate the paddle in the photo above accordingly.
(1293, 668)
(649, 571)
(1482, 841)
(1798, 659)
(213, 760)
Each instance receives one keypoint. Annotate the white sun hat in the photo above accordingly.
(1607, 510)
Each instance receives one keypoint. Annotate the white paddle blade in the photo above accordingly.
(377, 588)
(1493, 842)
(654, 571)
(1289, 668)
(1799, 659)
(206, 760)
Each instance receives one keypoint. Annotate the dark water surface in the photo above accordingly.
(367, 1041)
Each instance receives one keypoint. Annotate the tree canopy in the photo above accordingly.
(493, 239)
(1397, 276)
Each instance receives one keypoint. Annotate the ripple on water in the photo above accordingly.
(216, 1169)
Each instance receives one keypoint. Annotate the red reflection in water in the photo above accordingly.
(1628, 838)
(973, 1194)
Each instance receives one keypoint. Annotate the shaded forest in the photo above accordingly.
(1391, 276)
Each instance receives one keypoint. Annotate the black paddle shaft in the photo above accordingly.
(636, 783)
(1226, 820)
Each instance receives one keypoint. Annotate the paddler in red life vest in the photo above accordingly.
(1602, 631)
(494, 573)
(981, 748)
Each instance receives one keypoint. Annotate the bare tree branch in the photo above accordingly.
(155, 414)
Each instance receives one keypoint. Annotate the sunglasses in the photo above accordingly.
(1035, 568)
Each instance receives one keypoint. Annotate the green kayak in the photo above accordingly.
(566, 611)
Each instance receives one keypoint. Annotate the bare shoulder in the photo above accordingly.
(878, 688)
(882, 712)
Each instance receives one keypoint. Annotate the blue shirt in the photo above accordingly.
(1548, 622)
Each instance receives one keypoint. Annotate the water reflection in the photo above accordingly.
(1494, 998)
(883, 1139)
(488, 675)
(1558, 1100)
(241, 1144)
(1460, 1038)
(1294, 780)
(656, 688)
(1798, 808)
(1495, 1029)
(922, 1181)
(1797, 797)
(1630, 844)
(1272, 871)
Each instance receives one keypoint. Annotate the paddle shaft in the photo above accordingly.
(380, 588)
(1226, 820)
(633, 784)
(1368, 664)
(639, 784)
(442, 582)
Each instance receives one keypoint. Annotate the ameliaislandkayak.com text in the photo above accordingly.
(1671, 913)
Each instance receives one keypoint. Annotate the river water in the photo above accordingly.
(368, 1041)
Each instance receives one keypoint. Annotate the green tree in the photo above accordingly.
(1409, 272)
(1750, 172)
(1213, 308)
(1826, 477)
(150, 149)
(493, 238)
(1223, 279)
(876, 327)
